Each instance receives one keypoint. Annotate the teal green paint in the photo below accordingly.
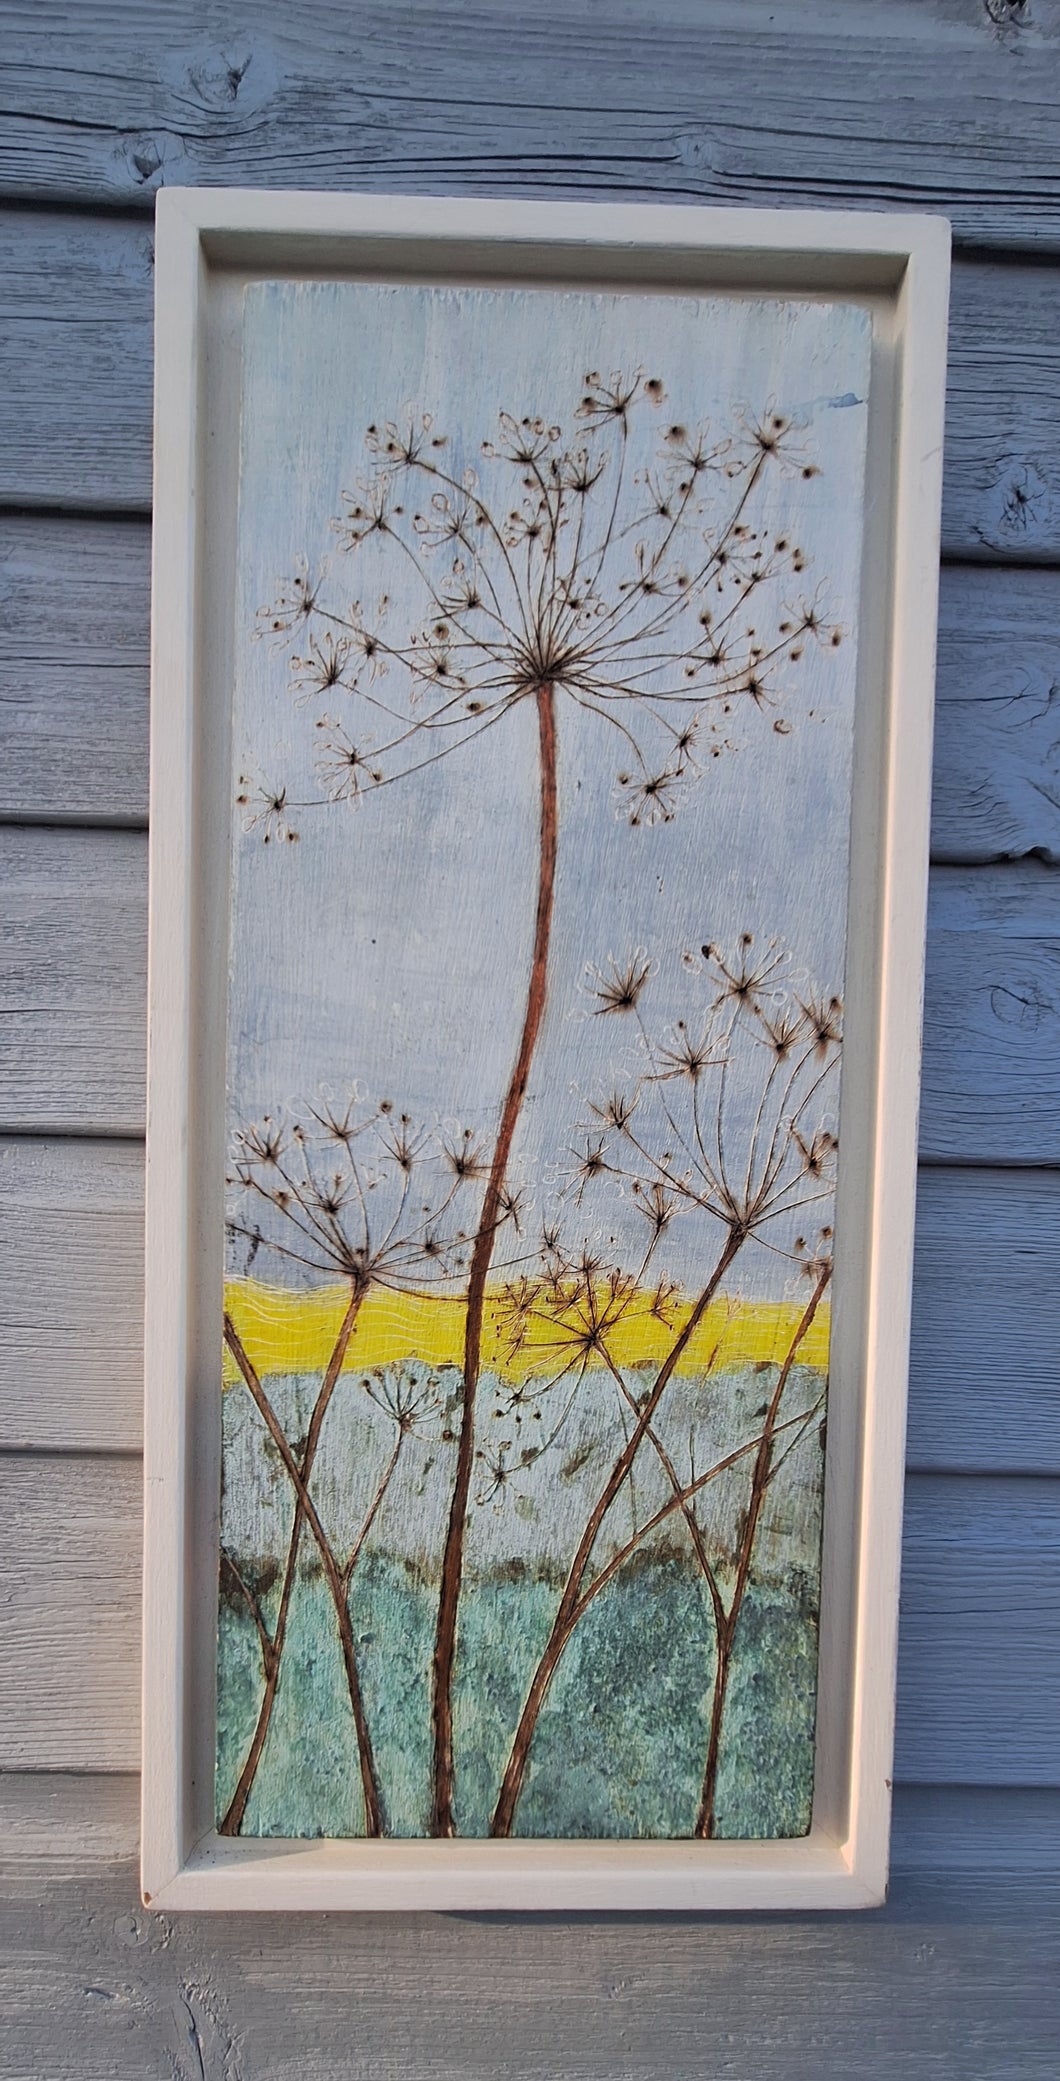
(620, 1746)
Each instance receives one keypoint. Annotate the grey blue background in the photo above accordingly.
(945, 105)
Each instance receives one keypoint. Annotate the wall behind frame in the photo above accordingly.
(948, 105)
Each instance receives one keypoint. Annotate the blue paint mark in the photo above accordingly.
(808, 406)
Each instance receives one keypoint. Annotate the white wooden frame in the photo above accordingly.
(210, 242)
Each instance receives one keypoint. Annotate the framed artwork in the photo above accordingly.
(543, 653)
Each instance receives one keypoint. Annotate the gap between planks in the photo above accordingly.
(977, 1675)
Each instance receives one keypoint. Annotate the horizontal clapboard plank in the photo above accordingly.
(71, 1295)
(984, 1390)
(979, 1669)
(1001, 491)
(975, 1828)
(991, 1066)
(984, 1383)
(919, 105)
(73, 689)
(73, 965)
(75, 361)
(954, 1977)
(997, 715)
(979, 1633)
(74, 605)
(949, 1965)
(72, 970)
(59, 1826)
(75, 358)
(70, 1589)
(64, 1826)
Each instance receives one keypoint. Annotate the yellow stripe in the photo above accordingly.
(284, 1331)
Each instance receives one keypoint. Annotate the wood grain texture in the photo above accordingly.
(71, 1295)
(59, 1825)
(986, 1312)
(975, 1828)
(954, 1979)
(997, 715)
(75, 359)
(72, 980)
(70, 1587)
(73, 669)
(950, 105)
(1002, 480)
(73, 689)
(991, 1071)
(941, 105)
(979, 1673)
(979, 1645)
(984, 1387)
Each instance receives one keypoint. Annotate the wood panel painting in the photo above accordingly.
(546, 631)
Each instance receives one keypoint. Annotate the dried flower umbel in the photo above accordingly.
(359, 1193)
(730, 1133)
(552, 573)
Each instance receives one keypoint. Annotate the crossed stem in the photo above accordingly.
(760, 1479)
(338, 1579)
(567, 1613)
(575, 1601)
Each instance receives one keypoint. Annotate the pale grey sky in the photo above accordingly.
(391, 944)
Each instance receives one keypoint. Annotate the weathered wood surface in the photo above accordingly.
(72, 981)
(75, 361)
(65, 1825)
(997, 715)
(950, 105)
(954, 1979)
(73, 669)
(70, 1590)
(979, 1648)
(979, 1668)
(73, 689)
(974, 1828)
(991, 1067)
(73, 965)
(946, 105)
(984, 1387)
(71, 1295)
(1001, 494)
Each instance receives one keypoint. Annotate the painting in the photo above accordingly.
(546, 637)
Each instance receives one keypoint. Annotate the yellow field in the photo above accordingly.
(294, 1332)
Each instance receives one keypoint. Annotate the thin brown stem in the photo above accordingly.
(706, 1816)
(567, 1612)
(233, 1819)
(373, 1816)
(374, 1508)
(265, 1642)
(675, 1502)
(687, 1506)
(692, 1488)
(442, 1819)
